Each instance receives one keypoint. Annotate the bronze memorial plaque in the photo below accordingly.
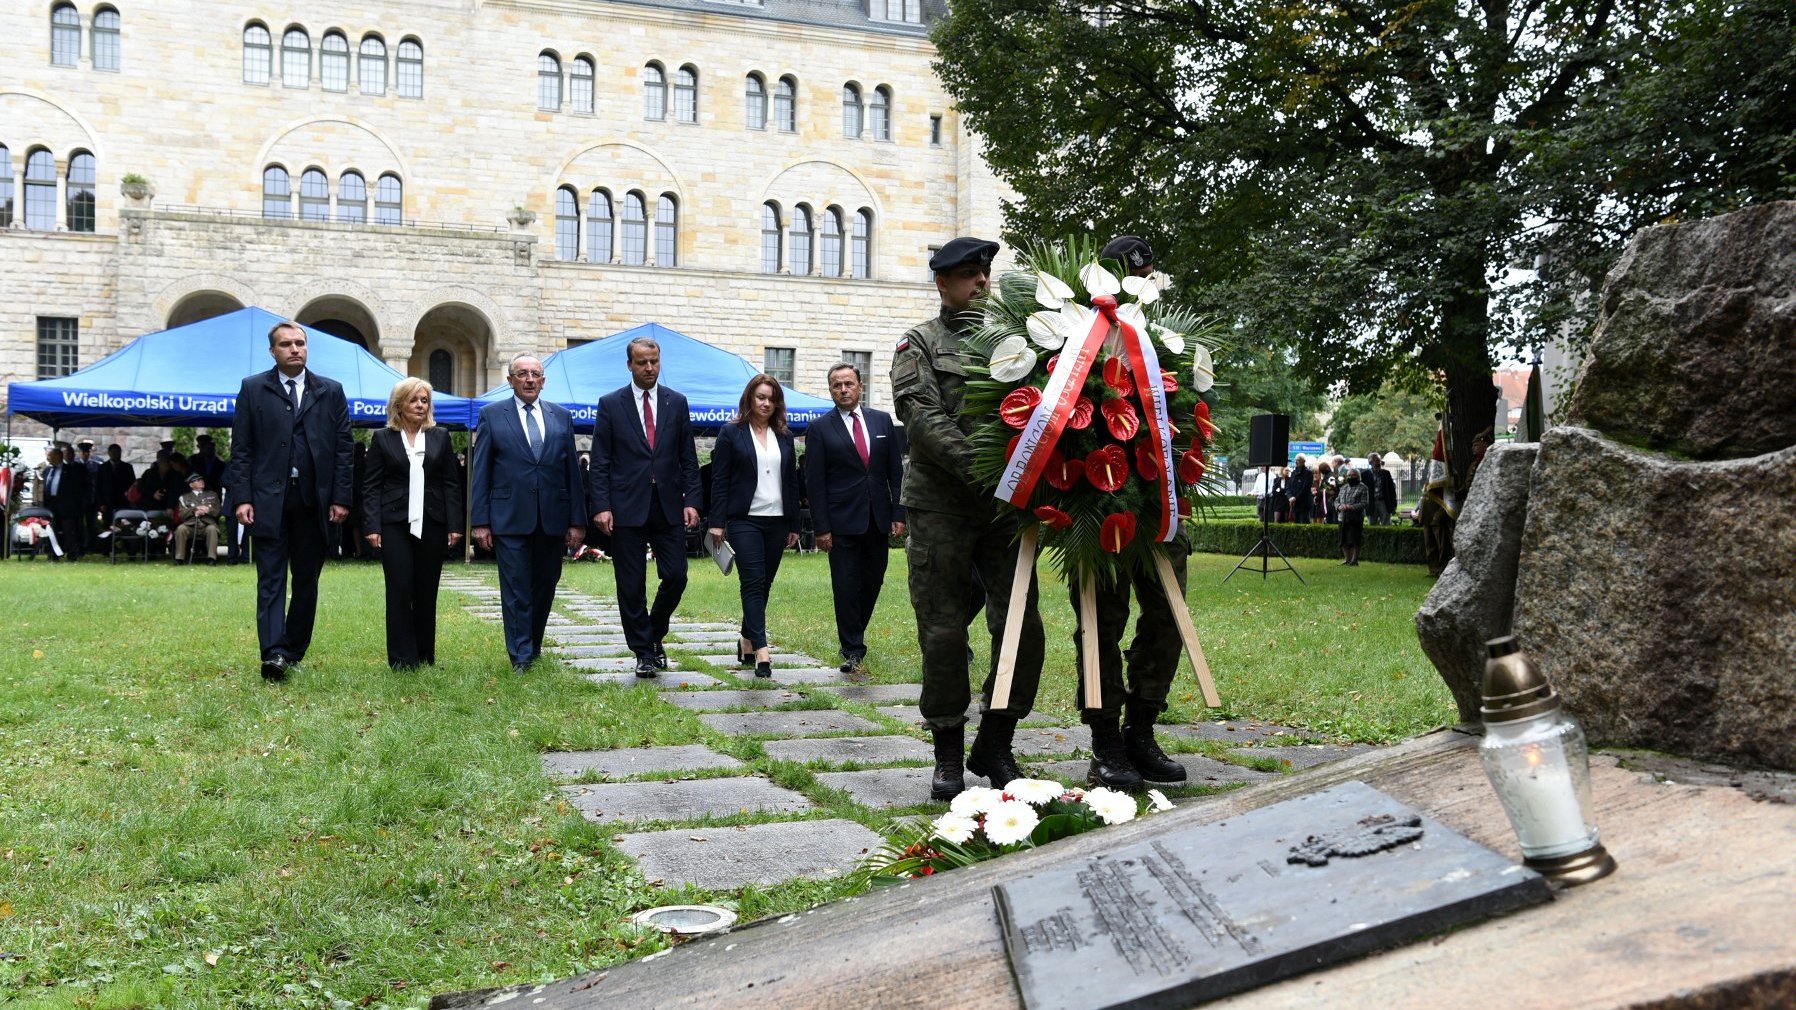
(1225, 907)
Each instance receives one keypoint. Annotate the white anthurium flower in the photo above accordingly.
(1099, 281)
(956, 828)
(1046, 328)
(1161, 279)
(1050, 291)
(1012, 820)
(1130, 312)
(1203, 369)
(1012, 359)
(1034, 791)
(1174, 342)
(1111, 806)
(976, 800)
(1143, 289)
(1158, 800)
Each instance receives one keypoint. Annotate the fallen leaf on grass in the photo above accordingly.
(212, 957)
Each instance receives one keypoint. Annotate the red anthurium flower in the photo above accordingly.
(1010, 450)
(1083, 410)
(1147, 462)
(1117, 377)
(1191, 467)
(1056, 519)
(1055, 360)
(1116, 532)
(1169, 382)
(1120, 416)
(1107, 468)
(1202, 411)
(1017, 407)
(1184, 508)
(1063, 473)
(1205, 428)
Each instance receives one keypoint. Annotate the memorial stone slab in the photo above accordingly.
(683, 800)
(631, 761)
(1220, 908)
(667, 678)
(804, 722)
(724, 858)
(885, 788)
(873, 750)
(713, 701)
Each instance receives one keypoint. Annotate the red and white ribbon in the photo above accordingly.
(1145, 362)
(1039, 436)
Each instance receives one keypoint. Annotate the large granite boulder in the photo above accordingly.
(1659, 596)
(1695, 353)
(1474, 601)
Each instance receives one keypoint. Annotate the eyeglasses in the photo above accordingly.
(526, 375)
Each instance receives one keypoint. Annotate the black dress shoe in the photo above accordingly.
(274, 668)
(854, 664)
(763, 669)
(520, 668)
(645, 668)
(659, 657)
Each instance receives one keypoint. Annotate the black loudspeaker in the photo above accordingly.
(1269, 440)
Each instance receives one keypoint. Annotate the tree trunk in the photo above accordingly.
(1466, 366)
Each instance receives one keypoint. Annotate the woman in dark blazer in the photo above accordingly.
(411, 510)
(754, 503)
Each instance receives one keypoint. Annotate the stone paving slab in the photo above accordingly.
(778, 659)
(1303, 756)
(709, 701)
(1199, 771)
(591, 651)
(909, 715)
(878, 693)
(885, 788)
(860, 749)
(797, 675)
(681, 800)
(1059, 740)
(613, 663)
(698, 635)
(1231, 732)
(725, 858)
(800, 723)
(666, 678)
(634, 761)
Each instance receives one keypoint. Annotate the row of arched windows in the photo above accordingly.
(616, 231)
(786, 246)
(65, 37)
(39, 183)
(371, 64)
(315, 196)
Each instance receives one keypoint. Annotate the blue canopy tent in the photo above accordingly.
(711, 379)
(190, 375)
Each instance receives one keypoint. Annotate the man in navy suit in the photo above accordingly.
(289, 478)
(643, 489)
(527, 504)
(854, 469)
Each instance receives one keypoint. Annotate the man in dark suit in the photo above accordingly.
(853, 472)
(289, 479)
(115, 478)
(643, 489)
(65, 494)
(527, 504)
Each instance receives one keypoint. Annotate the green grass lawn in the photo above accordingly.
(175, 833)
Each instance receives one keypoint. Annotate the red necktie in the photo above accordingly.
(860, 438)
(648, 419)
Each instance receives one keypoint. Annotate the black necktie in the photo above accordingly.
(293, 393)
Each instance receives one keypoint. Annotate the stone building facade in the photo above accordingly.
(451, 182)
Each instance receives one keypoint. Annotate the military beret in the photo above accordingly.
(1134, 252)
(960, 251)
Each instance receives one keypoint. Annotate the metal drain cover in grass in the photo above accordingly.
(686, 920)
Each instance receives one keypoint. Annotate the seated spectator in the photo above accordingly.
(200, 509)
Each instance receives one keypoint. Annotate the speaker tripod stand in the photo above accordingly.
(1264, 551)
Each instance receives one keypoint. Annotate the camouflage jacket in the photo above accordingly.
(928, 384)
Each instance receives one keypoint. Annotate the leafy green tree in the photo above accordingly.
(1258, 380)
(1390, 420)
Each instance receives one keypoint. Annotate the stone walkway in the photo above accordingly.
(666, 802)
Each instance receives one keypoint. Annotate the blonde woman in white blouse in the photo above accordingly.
(412, 513)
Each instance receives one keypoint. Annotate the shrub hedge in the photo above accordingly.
(1396, 544)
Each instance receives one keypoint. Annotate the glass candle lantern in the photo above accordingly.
(1535, 756)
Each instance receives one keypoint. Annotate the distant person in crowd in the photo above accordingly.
(90, 509)
(411, 512)
(115, 479)
(1354, 497)
(853, 472)
(1383, 490)
(1278, 492)
(1325, 487)
(643, 492)
(174, 479)
(206, 463)
(289, 481)
(754, 503)
(1300, 488)
(64, 486)
(200, 509)
(527, 504)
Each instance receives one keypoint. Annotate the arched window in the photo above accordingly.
(754, 103)
(830, 243)
(770, 238)
(40, 190)
(352, 198)
(851, 111)
(654, 92)
(860, 244)
(598, 227)
(389, 200)
(65, 36)
(548, 81)
(686, 95)
(104, 46)
(785, 105)
(333, 62)
(372, 65)
(81, 192)
(296, 58)
(314, 195)
(880, 113)
(277, 192)
(5, 187)
(567, 224)
(258, 54)
(667, 231)
(442, 371)
(408, 69)
(581, 79)
(800, 244)
(636, 230)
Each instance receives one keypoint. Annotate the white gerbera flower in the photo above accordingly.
(1034, 791)
(956, 828)
(1143, 289)
(1050, 290)
(976, 800)
(1099, 281)
(1174, 342)
(1158, 800)
(1047, 328)
(1111, 806)
(1203, 369)
(1012, 359)
(1010, 822)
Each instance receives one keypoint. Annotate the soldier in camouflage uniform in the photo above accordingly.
(1121, 759)
(958, 530)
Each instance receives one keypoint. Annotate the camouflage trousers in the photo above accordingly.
(944, 553)
(1153, 655)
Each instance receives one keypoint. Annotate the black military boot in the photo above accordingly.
(949, 779)
(1110, 765)
(991, 755)
(1145, 754)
